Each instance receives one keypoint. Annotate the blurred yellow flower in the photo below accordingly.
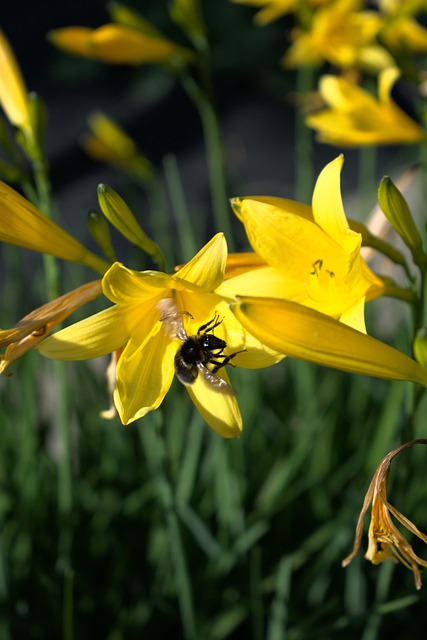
(310, 254)
(152, 317)
(356, 118)
(386, 542)
(13, 94)
(23, 225)
(108, 143)
(118, 44)
(35, 326)
(401, 32)
(273, 9)
(405, 34)
(342, 35)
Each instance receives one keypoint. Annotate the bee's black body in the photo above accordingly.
(198, 351)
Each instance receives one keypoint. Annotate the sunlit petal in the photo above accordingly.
(264, 281)
(206, 270)
(283, 238)
(23, 225)
(95, 336)
(13, 94)
(297, 331)
(123, 285)
(355, 316)
(238, 263)
(328, 209)
(218, 406)
(144, 373)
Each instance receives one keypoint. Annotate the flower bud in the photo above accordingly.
(100, 232)
(118, 213)
(396, 209)
(420, 347)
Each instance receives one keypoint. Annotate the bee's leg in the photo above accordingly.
(219, 365)
(210, 326)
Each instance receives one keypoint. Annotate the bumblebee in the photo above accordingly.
(197, 351)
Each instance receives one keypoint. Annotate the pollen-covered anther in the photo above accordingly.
(317, 266)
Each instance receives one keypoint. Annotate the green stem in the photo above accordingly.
(44, 202)
(303, 140)
(214, 156)
(61, 416)
(400, 293)
(187, 232)
(68, 606)
(215, 160)
(160, 219)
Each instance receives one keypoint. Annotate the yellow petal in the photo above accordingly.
(38, 324)
(144, 373)
(126, 286)
(268, 282)
(355, 316)
(218, 407)
(342, 95)
(298, 208)
(13, 94)
(206, 270)
(52, 312)
(328, 209)
(386, 80)
(23, 225)
(102, 333)
(356, 118)
(303, 333)
(285, 239)
(242, 262)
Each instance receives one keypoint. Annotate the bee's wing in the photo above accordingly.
(172, 319)
(214, 380)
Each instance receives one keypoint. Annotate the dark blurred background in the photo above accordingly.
(254, 99)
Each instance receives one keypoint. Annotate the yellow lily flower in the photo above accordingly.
(341, 35)
(35, 326)
(401, 32)
(297, 331)
(386, 542)
(356, 118)
(117, 44)
(311, 255)
(23, 225)
(150, 322)
(13, 94)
